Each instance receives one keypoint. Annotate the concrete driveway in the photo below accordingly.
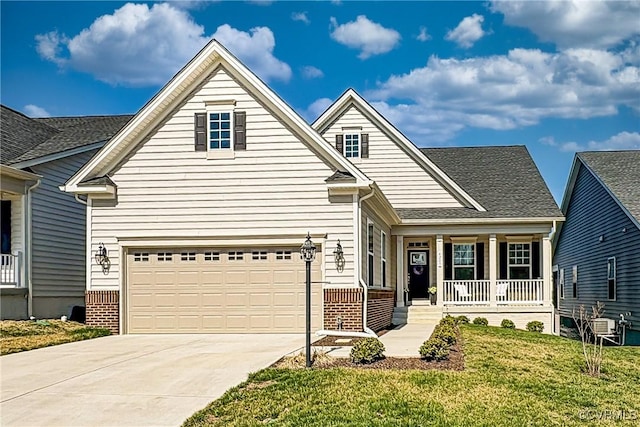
(130, 380)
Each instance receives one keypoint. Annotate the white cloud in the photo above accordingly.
(369, 37)
(300, 16)
(316, 108)
(35, 111)
(509, 91)
(311, 72)
(575, 23)
(468, 31)
(423, 36)
(621, 141)
(140, 45)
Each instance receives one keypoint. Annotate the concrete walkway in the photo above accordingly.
(130, 380)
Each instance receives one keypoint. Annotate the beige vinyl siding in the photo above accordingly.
(274, 188)
(58, 224)
(378, 226)
(405, 183)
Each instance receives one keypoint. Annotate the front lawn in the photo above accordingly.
(22, 335)
(512, 378)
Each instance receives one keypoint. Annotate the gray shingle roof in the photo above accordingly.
(24, 138)
(620, 172)
(341, 176)
(503, 179)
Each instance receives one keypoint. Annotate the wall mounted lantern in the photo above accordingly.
(102, 258)
(338, 256)
(308, 254)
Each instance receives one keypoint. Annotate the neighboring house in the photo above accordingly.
(203, 199)
(597, 255)
(43, 229)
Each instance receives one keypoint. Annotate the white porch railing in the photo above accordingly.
(10, 270)
(520, 291)
(465, 292)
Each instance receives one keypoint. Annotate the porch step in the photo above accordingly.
(418, 314)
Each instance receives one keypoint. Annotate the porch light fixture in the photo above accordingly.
(308, 254)
(338, 256)
(102, 258)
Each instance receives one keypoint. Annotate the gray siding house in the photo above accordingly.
(43, 229)
(597, 256)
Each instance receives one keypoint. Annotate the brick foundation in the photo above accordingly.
(380, 305)
(103, 309)
(346, 304)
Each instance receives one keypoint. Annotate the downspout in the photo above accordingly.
(365, 288)
(553, 231)
(29, 249)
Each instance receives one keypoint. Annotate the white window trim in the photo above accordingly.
(221, 107)
(458, 241)
(561, 282)
(615, 279)
(371, 229)
(344, 144)
(574, 281)
(383, 259)
(509, 265)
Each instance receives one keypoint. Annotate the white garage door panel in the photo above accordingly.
(176, 290)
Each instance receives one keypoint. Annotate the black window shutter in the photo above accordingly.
(479, 261)
(535, 260)
(364, 145)
(240, 130)
(339, 144)
(504, 258)
(448, 260)
(200, 131)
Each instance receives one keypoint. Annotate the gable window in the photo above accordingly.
(611, 279)
(383, 258)
(370, 231)
(464, 261)
(574, 282)
(561, 283)
(519, 261)
(219, 131)
(352, 145)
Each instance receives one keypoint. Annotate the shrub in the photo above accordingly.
(535, 326)
(448, 320)
(434, 349)
(367, 350)
(507, 324)
(445, 333)
(462, 320)
(480, 321)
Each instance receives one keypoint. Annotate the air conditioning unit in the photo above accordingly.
(602, 326)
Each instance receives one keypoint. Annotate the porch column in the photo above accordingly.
(546, 271)
(439, 270)
(399, 271)
(493, 269)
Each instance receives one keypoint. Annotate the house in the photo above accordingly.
(597, 255)
(43, 229)
(199, 205)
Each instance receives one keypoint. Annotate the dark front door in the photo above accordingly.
(418, 274)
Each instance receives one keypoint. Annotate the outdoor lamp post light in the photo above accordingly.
(308, 254)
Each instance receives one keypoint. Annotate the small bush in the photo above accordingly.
(481, 321)
(367, 350)
(462, 320)
(448, 320)
(445, 333)
(507, 324)
(434, 349)
(535, 326)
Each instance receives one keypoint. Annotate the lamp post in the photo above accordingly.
(308, 254)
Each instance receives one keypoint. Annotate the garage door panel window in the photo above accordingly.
(259, 255)
(165, 256)
(235, 256)
(141, 256)
(283, 255)
(188, 256)
(212, 256)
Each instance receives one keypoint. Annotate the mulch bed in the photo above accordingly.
(332, 341)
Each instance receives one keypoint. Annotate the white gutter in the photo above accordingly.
(357, 244)
(29, 248)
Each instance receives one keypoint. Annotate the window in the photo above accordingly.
(212, 256)
(418, 244)
(141, 256)
(165, 256)
(282, 255)
(352, 145)
(383, 258)
(369, 253)
(519, 260)
(561, 283)
(259, 255)
(5, 218)
(219, 131)
(574, 282)
(188, 256)
(236, 256)
(611, 279)
(464, 257)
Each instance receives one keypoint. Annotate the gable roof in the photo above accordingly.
(207, 61)
(26, 140)
(351, 98)
(617, 171)
(504, 179)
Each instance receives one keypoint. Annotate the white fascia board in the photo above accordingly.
(351, 96)
(453, 221)
(59, 155)
(13, 172)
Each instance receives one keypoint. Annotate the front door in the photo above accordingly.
(418, 274)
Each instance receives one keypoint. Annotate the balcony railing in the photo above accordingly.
(515, 292)
(10, 270)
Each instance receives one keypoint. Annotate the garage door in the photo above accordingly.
(188, 290)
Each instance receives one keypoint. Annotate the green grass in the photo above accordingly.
(23, 335)
(512, 378)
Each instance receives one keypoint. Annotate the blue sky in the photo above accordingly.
(557, 76)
